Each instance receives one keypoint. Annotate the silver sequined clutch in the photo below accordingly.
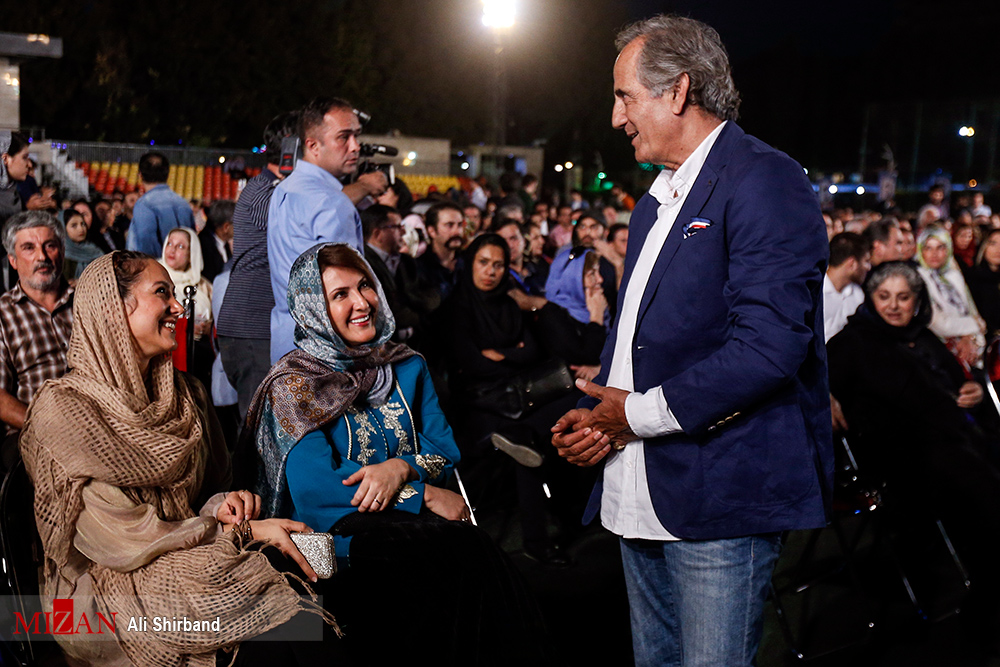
(318, 551)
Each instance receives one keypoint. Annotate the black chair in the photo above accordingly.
(828, 589)
(22, 557)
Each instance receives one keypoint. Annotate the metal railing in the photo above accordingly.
(93, 151)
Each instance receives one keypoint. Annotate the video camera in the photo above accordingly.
(291, 151)
(367, 166)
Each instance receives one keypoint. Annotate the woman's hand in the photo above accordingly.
(445, 503)
(379, 484)
(597, 305)
(237, 506)
(493, 355)
(970, 395)
(202, 328)
(587, 373)
(966, 350)
(276, 531)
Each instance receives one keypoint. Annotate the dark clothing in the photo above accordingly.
(984, 284)
(435, 279)
(898, 394)
(564, 337)
(474, 321)
(214, 260)
(533, 282)
(399, 291)
(121, 224)
(475, 602)
(28, 188)
(246, 362)
(246, 310)
(609, 286)
(109, 241)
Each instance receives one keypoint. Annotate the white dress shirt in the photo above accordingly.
(838, 306)
(626, 506)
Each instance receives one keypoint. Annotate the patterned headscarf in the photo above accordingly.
(948, 277)
(941, 234)
(314, 385)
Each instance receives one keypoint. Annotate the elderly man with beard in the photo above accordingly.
(36, 317)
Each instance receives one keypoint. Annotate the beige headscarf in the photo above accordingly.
(98, 423)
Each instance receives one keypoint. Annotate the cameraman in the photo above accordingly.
(312, 206)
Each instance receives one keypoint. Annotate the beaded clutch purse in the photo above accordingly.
(318, 551)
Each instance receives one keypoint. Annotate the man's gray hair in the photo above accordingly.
(887, 270)
(27, 220)
(676, 45)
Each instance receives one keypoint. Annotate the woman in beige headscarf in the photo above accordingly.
(120, 450)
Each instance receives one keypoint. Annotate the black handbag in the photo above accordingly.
(524, 393)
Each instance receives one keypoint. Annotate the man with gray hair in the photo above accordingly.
(36, 317)
(711, 414)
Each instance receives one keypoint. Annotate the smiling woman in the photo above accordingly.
(348, 436)
(130, 471)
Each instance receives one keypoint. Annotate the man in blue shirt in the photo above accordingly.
(159, 210)
(312, 206)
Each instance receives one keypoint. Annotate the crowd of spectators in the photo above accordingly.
(499, 287)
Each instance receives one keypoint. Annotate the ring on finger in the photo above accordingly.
(377, 501)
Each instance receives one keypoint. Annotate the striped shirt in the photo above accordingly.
(246, 310)
(33, 342)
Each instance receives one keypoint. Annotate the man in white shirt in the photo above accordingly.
(713, 424)
(850, 261)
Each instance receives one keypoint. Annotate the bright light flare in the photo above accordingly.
(860, 190)
(832, 189)
(498, 13)
(559, 167)
(966, 131)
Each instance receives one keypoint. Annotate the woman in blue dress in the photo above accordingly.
(350, 437)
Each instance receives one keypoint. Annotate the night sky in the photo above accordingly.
(809, 73)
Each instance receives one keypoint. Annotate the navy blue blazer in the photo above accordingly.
(731, 326)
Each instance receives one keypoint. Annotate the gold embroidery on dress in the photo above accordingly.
(364, 433)
(413, 424)
(405, 493)
(432, 463)
(391, 412)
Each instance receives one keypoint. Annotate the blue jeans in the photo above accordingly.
(698, 603)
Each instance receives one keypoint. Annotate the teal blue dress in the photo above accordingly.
(410, 425)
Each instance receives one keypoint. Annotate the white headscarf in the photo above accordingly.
(191, 276)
